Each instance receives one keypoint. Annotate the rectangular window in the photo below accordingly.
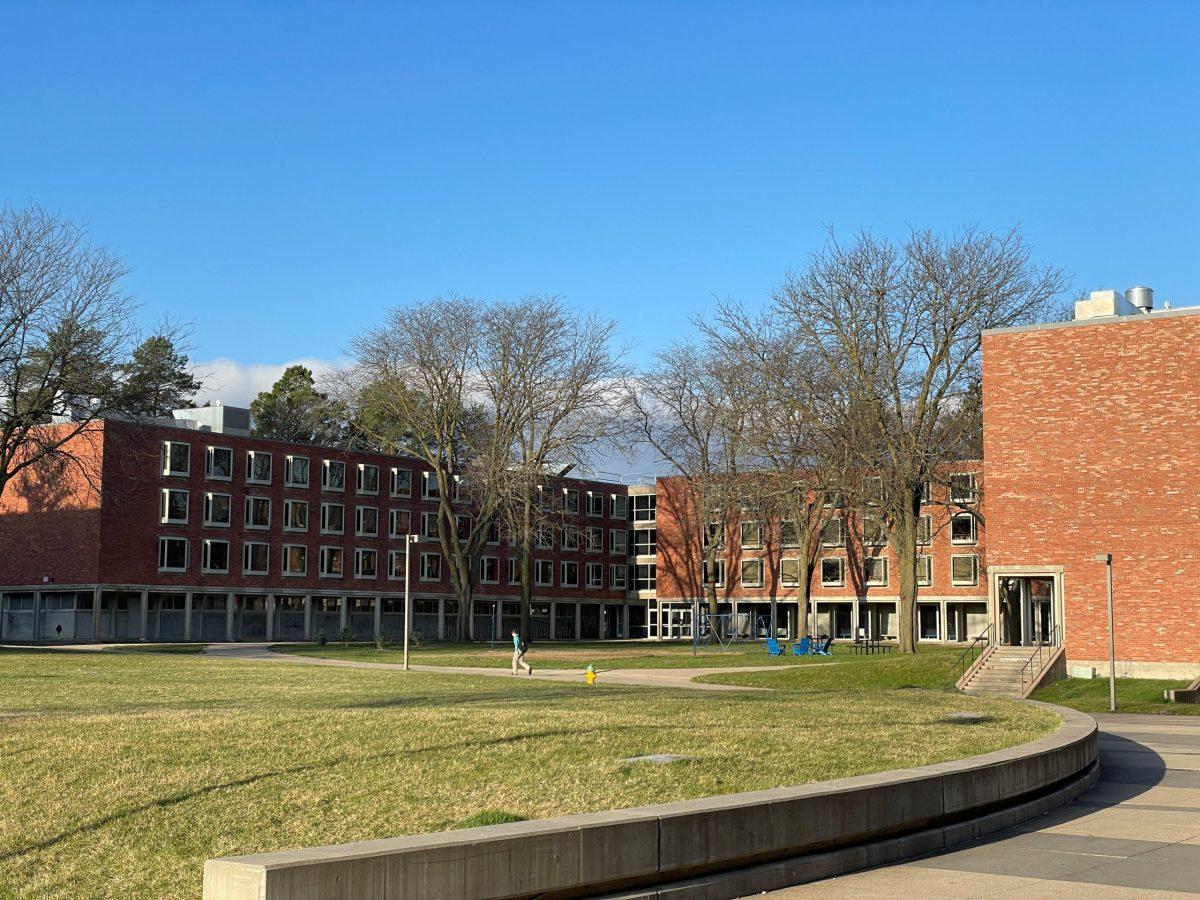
(875, 570)
(593, 576)
(752, 537)
(832, 534)
(514, 576)
(365, 563)
(964, 570)
(218, 463)
(874, 532)
(366, 521)
(925, 491)
(295, 471)
(714, 573)
(397, 561)
(924, 571)
(645, 577)
(489, 570)
(172, 554)
(429, 525)
(833, 571)
(752, 573)
(214, 556)
(429, 487)
(400, 484)
(962, 488)
(173, 507)
(331, 562)
(462, 527)
(962, 529)
(295, 515)
(368, 479)
(643, 507)
(258, 512)
(333, 518)
(789, 572)
(217, 510)
(543, 537)
(493, 533)
(789, 535)
(543, 572)
(872, 490)
(925, 530)
(431, 567)
(258, 467)
(333, 475)
(618, 541)
(645, 541)
(619, 507)
(714, 536)
(595, 503)
(255, 558)
(570, 574)
(616, 576)
(571, 500)
(570, 537)
(593, 540)
(295, 559)
(399, 523)
(176, 458)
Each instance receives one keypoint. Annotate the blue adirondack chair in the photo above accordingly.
(823, 649)
(773, 647)
(803, 648)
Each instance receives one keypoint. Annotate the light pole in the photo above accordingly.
(1106, 558)
(409, 540)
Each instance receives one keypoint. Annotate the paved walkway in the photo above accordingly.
(674, 678)
(1135, 834)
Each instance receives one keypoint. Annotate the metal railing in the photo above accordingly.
(1044, 648)
(979, 644)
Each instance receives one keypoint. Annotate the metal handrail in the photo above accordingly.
(1052, 641)
(980, 641)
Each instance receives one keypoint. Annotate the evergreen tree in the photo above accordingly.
(294, 410)
(158, 378)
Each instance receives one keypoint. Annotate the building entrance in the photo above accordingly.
(1027, 611)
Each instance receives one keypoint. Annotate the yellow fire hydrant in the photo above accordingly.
(590, 675)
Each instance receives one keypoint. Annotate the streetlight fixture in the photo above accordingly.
(409, 540)
(1106, 558)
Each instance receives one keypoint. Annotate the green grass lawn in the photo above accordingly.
(604, 655)
(1134, 695)
(120, 773)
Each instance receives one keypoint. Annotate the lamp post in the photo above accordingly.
(1106, 558)
(409, 540)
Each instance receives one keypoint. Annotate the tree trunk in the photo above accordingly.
(803, 595)
(526, 557)
(710, 588)
(904, 544)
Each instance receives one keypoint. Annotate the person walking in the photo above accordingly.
(519, 654)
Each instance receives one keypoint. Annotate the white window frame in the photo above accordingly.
(785, 542)
(540, 565)
(974, 537)
(562, 574)
(361, 554)
(925, 578)
(619, 502)
(252, 456)
(168, 457)
(742, 573)
(429, 486)
(328, 465)
(593, 505)
(618, 541)
(784, 580)
(324, 555)
(209, 453)
(969, 498)
(841, 577)
(649, 514)
(925, 522)
(721, 573)
(246, 506)
(325, 507)
(283, 561)
(360, 513)
(572, 532)
(841, 532)
(164, 505)
(484, 562)
(758, 544)
(957, 582)
(588, 570)
(867, 581)
(514, 576)
(209, 521)
(288, 505)
(571, 501)
(246, 548)
(206, 557)
(397, 560)
(429, 525)
(289, 473)
(424, 570)
(163, 540)
(588, 533)
(361, 477)
(393, 480)
(393, 516)
(872, 497)
(618, 574)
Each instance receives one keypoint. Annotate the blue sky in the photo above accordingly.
(281, 173)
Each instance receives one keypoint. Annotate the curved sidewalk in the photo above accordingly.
(1135, 834)
(670, 678)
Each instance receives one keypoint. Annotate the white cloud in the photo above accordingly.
(235, 383)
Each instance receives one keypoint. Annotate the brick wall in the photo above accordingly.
(1092, 441)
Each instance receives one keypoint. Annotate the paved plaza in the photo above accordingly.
(1135, 834)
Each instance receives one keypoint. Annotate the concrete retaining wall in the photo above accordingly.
(709, 844)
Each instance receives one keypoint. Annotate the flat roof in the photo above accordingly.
(1100, 320)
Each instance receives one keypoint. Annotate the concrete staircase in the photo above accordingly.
(999, 671)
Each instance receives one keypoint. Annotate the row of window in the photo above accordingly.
(964, 571)
(218, 466)
(833, 534)
(174, 557)
(963, 490)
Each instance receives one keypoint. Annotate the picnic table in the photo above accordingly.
(863, 646)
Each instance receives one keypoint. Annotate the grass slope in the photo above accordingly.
(1134, 695)
(121, 773)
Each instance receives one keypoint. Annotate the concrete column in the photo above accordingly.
(441, 629)
(37, 614)
(343, 613)
(230, 606)
(854, 619)
(378, 618)
(187, 616)
(145, 615)
(734, 610)
(578, 621)
(97, 604)
(308, 617)
(3, 617)
(553, 616)
(270, 605)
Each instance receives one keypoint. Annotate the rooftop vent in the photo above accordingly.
(1102, 304)
(1141, 297)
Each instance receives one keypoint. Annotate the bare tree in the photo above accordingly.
(552, 378)
(688, 408)
(65, 329)
(896, 331)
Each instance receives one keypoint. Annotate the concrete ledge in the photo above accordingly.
(718, 846)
